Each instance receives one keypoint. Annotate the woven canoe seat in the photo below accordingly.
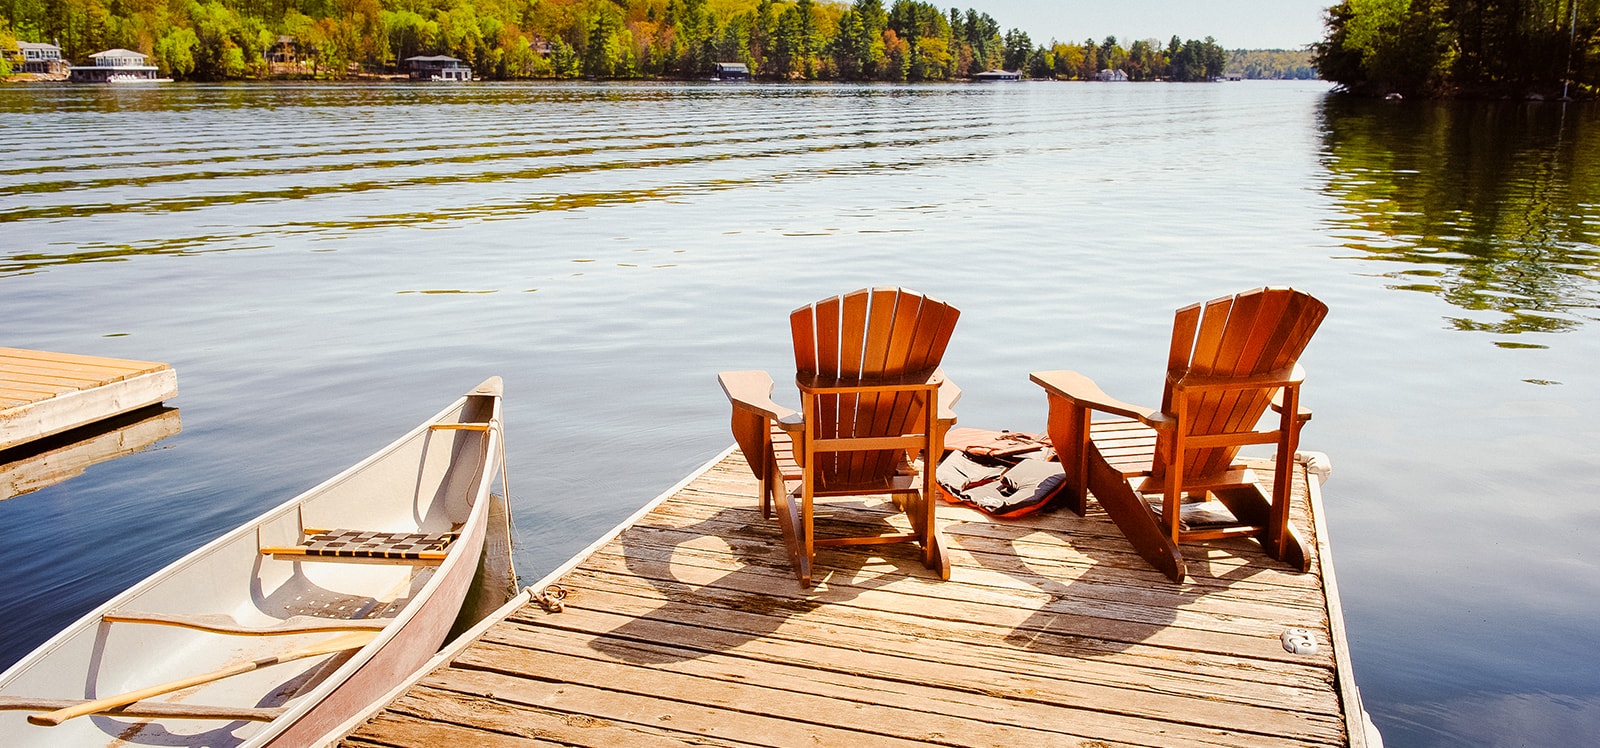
(369, 545)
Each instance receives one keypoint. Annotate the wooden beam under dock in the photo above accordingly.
(44, 393)
(687, 627)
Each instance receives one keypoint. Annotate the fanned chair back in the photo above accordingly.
(1235, 338)
(866, 338)
(872, 397)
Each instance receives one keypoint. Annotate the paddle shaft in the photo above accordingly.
(336, 644)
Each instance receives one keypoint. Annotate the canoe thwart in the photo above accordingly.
(151, 709)
(220, 623)
(367, 545)
(460, 427)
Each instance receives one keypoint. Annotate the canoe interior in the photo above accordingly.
(428, 481)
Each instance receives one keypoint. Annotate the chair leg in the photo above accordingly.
(766, 497)
(920, 509)
(790, 524)
(1133, 517)
(1068, 428)
(934, 556)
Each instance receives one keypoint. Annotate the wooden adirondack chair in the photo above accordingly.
(1231, 359)
(873, 399)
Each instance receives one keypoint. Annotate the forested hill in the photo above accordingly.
(777, 39)
(1270, 64)
(1496, 48)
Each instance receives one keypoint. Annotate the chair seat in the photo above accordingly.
(1129, 447)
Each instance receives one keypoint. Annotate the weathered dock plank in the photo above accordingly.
(44, 393)
(688, 627)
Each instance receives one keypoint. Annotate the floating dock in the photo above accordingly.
(43, 393)
(686, 626)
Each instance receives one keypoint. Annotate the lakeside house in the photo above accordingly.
(115, 66)
(989, 76)
(41, 58)
(438, 68)
(284, 51)
(1111, 76)
(732, 71)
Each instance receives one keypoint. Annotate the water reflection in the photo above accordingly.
(1494, 208)
(51, 460)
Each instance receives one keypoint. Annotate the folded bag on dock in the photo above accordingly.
(1001, 486)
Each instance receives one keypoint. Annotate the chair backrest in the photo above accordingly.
(863, 337)
(1244, 335)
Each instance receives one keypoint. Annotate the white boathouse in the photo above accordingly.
(115, 66)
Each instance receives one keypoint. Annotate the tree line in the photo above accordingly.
(1463, 47)
(1270, 64)
(908, 40)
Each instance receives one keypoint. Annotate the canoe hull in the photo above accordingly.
(434, 479)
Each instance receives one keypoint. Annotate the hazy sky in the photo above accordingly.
(1237, 24)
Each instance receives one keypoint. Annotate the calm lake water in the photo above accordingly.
(326, 265)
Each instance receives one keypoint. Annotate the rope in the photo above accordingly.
(550, 598)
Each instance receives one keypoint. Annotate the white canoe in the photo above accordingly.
(231, 603)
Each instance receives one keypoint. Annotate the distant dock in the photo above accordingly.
(44, 393)
(686, 627)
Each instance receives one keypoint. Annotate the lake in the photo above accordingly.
(326, 265)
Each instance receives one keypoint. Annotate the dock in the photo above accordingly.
(44, 393)
(686, 626)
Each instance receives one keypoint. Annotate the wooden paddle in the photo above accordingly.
(336, 644)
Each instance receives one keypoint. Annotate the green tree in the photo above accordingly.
(1197, 61)
(1067, 60)
(610, 49)
(1462, 47)
(175, 51)
(858, 49)
(564, 60)
(1018, 47)
(926, 33)
(8, 43)
(217, 30)
(1387, 46)
(1144, 61)
(1111, 55)
(409, 34)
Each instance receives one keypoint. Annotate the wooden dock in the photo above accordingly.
(686, 626)
(43, 393)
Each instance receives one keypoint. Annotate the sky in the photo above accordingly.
(1236, 24)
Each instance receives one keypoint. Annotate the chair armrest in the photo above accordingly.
(1302, 412)
(1083, 391)
(752, 391)
(949, 394)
